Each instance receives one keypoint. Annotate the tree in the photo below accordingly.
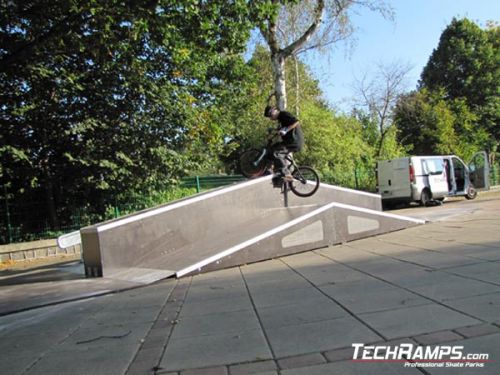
(428, 124)
(379, 96)
(334, 144)
(295, 27)
(466, 64)
(102, 99)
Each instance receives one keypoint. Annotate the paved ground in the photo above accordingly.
(437, 284)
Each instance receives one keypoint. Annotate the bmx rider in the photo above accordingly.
(292, 138)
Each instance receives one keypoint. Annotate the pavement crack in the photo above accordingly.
(104, 337)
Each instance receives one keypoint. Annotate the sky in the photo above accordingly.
(409, 39)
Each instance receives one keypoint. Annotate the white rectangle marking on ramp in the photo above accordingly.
(252, 241)
(282, 227)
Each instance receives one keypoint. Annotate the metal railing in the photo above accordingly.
(18, 222)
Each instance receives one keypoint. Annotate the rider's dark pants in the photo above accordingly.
(280, 151)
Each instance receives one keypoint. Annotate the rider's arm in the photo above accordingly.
(286, 129)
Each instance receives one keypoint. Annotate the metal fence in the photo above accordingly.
(27, 221)
(16, 225)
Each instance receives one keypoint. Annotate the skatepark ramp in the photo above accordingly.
(242, 223)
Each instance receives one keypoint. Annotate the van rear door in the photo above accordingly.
(479, 171)
(433, 168)
(394, 178)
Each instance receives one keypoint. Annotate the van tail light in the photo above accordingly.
(412, 174)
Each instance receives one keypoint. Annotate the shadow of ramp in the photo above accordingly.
(242, 223)
(50, 285)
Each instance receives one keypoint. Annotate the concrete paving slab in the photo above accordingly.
(23, 296)
(344, 254)
(286, 283)
(131, 315)
(309, 311)
(454, 287)
(114, 359)
(272, 297)
(375, 299)
(447, 244)
(104, 337)
(489, 271)
(379, 246)
(19, 364)
(423, 278)
(363, 287)
(380, 265)
(214, 350)
(485, 307)
(486, 344)
(219, 323)
(216, 292)
(435, 259)
(324, 271)
(261, 367)
(193, 308)
(265, 275)
(353, 368)
(318, 336)
(307, 259)
(416, 320)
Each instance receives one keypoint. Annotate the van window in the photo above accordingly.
(433, 166)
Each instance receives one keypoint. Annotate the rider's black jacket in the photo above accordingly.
(294, 138)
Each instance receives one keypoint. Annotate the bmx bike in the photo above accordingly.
(256, 163)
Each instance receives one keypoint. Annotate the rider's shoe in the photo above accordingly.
(288, 178)
(277, 180)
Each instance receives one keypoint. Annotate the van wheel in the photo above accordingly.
(471, 192)
(425, 198)
(387, 205)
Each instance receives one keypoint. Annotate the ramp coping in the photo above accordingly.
(282, 227)
(359, 192)
(173, 206)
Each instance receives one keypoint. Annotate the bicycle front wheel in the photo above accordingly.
(305, 181)
(248, 166)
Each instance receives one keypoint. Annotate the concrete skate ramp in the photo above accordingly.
(238, 224)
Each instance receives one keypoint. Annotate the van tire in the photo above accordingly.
(471, 192)
(387, 205)
(425, 198)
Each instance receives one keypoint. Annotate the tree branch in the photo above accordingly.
(318, 18)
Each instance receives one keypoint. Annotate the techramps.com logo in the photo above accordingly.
(420, 356)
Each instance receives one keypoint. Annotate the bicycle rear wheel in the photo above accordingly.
(305, 181)
(248, 166)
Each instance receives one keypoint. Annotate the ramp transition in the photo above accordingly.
(238, 224)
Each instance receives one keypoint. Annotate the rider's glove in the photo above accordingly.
(283, 131)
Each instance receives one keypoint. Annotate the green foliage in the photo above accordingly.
(429, 124)
(103, 99)
(466, 65)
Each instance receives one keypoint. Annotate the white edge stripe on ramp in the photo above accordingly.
(359, 192)
(280, 228)
(253, 240)
(380, 213)
(173, 206)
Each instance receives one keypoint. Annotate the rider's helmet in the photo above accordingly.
(268, 110)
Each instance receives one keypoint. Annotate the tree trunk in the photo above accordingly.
(297, 85)
(278, 61)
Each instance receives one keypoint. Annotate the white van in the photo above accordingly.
(431, 178)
